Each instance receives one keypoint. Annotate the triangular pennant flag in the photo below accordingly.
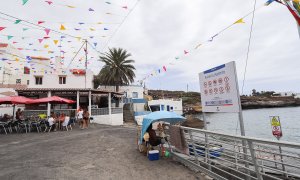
(108, 2)
(185, 52)
(81, 23)
(91, 37)
(18, 21)
(76, 29)
(176, 58)
(78, 38)
(47, 31)
(9, 37)
(158, 70)
(40, 40)
(105, 29)
(46, 37)
(15, 42)
(99, 23)
(46, 46)
(90, 9)
(124, 7)
(70, 6)
(62, 27)
(49, 2)
(95, 44)
(25, 29)
(41, 22)
(92, 29)
(239, 21)
(268, 2)
(24, 2)
(198, 46)
(165, 69)
(1, 28)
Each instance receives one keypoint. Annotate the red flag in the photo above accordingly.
(47, 31)
(41, 22)
(185, 52)
(49, 2)
(165, 69)
(297, 18)
(40, 40)
(1, 28)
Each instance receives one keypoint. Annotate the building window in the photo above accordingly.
(134, 95)
(62, 79)
(38, 80)
(27, 82)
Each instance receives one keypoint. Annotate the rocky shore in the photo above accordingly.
(192, 100)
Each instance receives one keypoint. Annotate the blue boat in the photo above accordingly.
(214, 150)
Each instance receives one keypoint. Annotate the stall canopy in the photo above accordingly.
(54, 99)
(170, 117)
(16, 100)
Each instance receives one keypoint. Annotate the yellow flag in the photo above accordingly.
(239, 21)
(92, 29)
(62, 27)
(17, 59)
(78, 38)
(55, 41)
(297, 1)
(70, 6)
(99, 23)
(46, 46)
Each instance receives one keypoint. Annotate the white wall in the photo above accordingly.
(113, 119)
(176, 104)
(72, 81)
(138, 107)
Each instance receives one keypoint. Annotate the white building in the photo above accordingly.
(132, 94)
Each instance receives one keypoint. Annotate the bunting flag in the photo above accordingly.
(125, 7)
(176, 58)
(24, 2)
(70, 6)
(268, 2)
(185, 52)
(17, 21)
(198, 46)
(92, 29)
(77, 29)
(40, 40)
(41, 22)
(105, 29)
(90, 9)
(62, 27)
(239, 21)
(95, 44)
(49, 2)
(1, 28)
(46, 46)
(9, 37)
(158, 70)
(164, 68)
(108, 2)
(25, 29)
(47, 31)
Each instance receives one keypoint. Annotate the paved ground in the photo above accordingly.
(100, 152)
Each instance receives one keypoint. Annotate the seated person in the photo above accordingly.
(153, 139)
(5, 118)
(61, 118)
(52, 122)
(19, 114)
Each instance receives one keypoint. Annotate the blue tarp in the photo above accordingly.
(170, 117)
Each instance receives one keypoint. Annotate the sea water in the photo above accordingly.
(257, 123)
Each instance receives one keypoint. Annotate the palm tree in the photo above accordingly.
(118, 69)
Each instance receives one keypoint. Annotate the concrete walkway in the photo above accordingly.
(100, 152)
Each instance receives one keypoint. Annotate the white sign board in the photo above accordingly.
(219, 89)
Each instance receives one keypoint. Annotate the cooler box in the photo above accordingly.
(153, 155)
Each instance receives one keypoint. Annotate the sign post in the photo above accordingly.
(220, 92)
(277, 132)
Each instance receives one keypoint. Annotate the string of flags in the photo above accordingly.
(293, 6)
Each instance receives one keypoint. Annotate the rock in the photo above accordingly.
(193, 122)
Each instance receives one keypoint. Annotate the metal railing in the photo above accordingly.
(222, 156)
(99, 111)
(30, 113)
(116, 110)
(69, 112)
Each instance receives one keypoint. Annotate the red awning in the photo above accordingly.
(16, 100)
(54, 99)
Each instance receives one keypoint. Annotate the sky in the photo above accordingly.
(155, 32)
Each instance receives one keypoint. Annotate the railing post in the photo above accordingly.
(194, 148)
(207, 154)
(254, 160)
(281, 159)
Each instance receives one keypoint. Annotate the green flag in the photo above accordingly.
(18, 21)
(9, 37)
(24, 2)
